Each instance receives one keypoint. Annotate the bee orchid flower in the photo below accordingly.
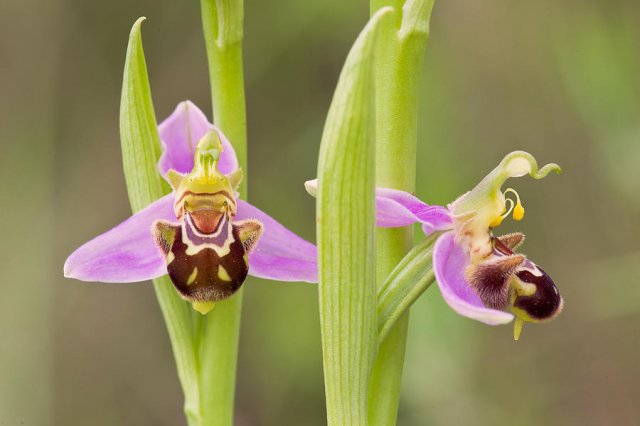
(201, 234)
(480, 275)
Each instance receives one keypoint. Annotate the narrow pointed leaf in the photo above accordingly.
(346, 230)
(140, 153)
(138, 128)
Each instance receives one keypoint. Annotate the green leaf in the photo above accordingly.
(140, 153)
(138, 128)
(346, 235)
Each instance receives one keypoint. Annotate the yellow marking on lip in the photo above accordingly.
(192, 277)
(517, 329)
(170, 257)
(223, 274)
(524, 289)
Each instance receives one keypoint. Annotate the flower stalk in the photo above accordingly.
(404, 285)
(222, 22)
(401, 44)
(205, 347)
(199, 234)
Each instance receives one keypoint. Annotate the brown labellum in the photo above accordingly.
(207, 266)
(545, 303)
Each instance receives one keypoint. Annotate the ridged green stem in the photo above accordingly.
(222, 22)
(400, 52)
(402, 287)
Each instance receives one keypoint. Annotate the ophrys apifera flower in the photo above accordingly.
(480, 275)
(201, 234)
(500, 278)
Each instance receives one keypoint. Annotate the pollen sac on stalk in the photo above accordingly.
(206, 251)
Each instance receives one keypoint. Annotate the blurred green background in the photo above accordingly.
(559, 79)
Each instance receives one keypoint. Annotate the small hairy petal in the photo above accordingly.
(126, 253)
(513, 240)
(449, 263)
(279, 254)
(395, 208)
(180, 133)
(250, 231)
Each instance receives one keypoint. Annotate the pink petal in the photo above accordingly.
(449, 263)
(180, 133)
(399, 208)
(395, 208)
(280, 254)
(126, 253)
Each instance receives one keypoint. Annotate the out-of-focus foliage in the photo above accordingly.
(599, 63)
(558, 79)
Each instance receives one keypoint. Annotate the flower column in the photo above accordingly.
(400, 52)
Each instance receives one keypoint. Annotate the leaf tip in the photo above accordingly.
(135, 29)
(381, 14)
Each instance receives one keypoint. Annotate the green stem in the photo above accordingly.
(386, 376)
(222, 22)
(397, 77)
(218, 344)
(228, 100)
